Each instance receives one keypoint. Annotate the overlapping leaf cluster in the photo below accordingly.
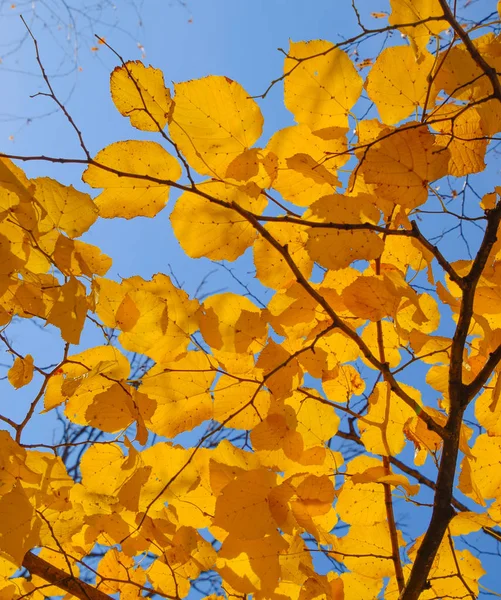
(342, 255)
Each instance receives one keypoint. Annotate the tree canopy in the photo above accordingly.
(366, 389)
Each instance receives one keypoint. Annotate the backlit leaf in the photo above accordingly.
(136, 178)
(139, 93)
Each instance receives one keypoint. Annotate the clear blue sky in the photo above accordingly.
(236, 38)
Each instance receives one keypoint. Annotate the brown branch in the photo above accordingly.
(442, 510)
(40, 567)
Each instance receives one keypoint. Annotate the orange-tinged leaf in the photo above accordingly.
(241, 405)
(74, 257)
(242, 508)
(271, 267)
(281, 369)
(276, 432)
(320, 91)
(213, 121)
(19, 524)
(253, 566)
(233, 323)
(70, 211)
(182, 393)
(136, 178)
(403, 164)
(69, 311)
(139, 93)
(21, 372)
(460, 76)
(342, 382)
(85, 373)
(205, 228)
(371, 297)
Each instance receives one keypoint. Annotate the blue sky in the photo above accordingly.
(236, 38)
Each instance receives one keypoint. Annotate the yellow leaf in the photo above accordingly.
(414, 11)
(233, 323)
(320, 91)
(382, 430)
(136, 178)
(485, 471)
(182, 393)
(139, 93)
(271, 268)
(307, 162)
(69, 311)
(19, 524)
(242, 508)
(74, 257)
(86, 373)
(461, 133)
(399, 85)
(281, 370)
(337, 248)
(371, 297)
(213, 122)
(460, 76)
(342, 382)
(403, 164)
(204, 228)
(316, 422)
(241, 405)
(71, 211)
(21, 372)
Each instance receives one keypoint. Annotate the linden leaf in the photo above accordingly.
(382, 431)
(21, 372)
(242, 508)
(74, 257)
(403, 164)
(316, 422)
(337, 248)
(241, 405)
(71, 211)
(303, 173)
(399, 85)
(418, 11)
(485, 472)
(205, 228)
(322, 85)
(361, 501)
(69, 311)
(371, 297)
(213, 121)
(136, 178)
(182, 393)
(85, 374)
(341, 383)
(272, 269)
(19, 524)
(232, 323)
(139, 93)
(461, 133)
(460, 76)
